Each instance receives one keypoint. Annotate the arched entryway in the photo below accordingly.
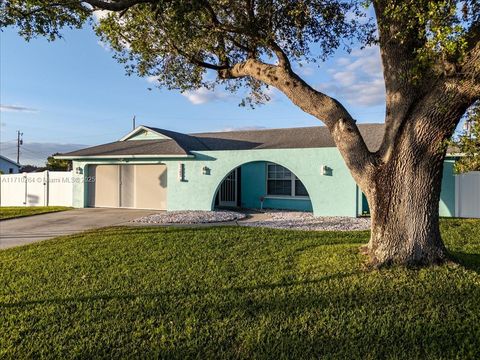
(262, 185)
(229, 193)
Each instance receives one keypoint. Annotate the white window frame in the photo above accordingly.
(292, 184)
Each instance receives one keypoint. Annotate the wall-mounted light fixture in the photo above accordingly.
(181, 172)
(78, 170)
(205, 170)
(326, 170)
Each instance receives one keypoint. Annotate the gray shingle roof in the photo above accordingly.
(185, 144)
(288, 138)
(140, 147)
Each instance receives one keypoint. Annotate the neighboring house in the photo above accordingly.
(297, 168)
(8, 166)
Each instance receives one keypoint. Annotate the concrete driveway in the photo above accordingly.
(26, 230)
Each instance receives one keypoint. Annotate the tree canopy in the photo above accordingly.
(58, 164)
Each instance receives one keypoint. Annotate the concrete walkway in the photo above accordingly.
(26, 230)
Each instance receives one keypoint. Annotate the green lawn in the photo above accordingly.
(10, 212)
(234, 292)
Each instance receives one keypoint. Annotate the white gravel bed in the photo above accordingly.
(191, 217)
(306, 221)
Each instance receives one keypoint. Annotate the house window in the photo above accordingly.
(282, 182)
(10, 170)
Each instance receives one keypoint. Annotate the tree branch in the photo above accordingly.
(197, 61)
(470, 71)
(325, 108)
(115, 5)
(216, 24)
(283, 60)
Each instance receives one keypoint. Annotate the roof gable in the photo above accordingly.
(144, 133)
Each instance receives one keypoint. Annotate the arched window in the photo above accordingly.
(282, 182)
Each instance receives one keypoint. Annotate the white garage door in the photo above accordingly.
(103, 191)
(128, 186)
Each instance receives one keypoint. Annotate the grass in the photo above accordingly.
(11, 212)
(235, 292)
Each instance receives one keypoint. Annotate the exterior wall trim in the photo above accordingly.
(301, 198)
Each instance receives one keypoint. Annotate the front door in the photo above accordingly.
(227, 195)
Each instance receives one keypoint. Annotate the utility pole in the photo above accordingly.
(133, 122)
(19, 142)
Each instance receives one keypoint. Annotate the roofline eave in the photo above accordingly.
(155, 156)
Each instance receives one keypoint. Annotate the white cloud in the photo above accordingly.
(343, 61)
(100, 14)
(104, 45)
(357, 79)
(16, 108)
(305, 69)
(272, 93)
(203, 96)
(344, 78)
(242, 128)
(152, 79)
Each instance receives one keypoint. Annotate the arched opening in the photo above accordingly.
(262, 185)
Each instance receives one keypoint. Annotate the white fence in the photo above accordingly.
(467, 194)
(48, 188)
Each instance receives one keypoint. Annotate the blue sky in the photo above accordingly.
(70, 93)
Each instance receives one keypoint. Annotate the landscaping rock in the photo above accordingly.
(191, 217)
(306, 221)
(278, 219)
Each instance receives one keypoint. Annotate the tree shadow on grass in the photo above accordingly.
(175, 293)
(471, 261)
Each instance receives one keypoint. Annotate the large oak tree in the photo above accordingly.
(431, 62)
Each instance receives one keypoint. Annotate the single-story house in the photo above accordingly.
(296, 168)
(8, 166)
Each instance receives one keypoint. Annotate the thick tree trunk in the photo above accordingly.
(404, 197)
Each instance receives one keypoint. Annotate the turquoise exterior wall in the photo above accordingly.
(254, 186)
(334, 194)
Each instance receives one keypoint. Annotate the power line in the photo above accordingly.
(8, 146)
(36, 152)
